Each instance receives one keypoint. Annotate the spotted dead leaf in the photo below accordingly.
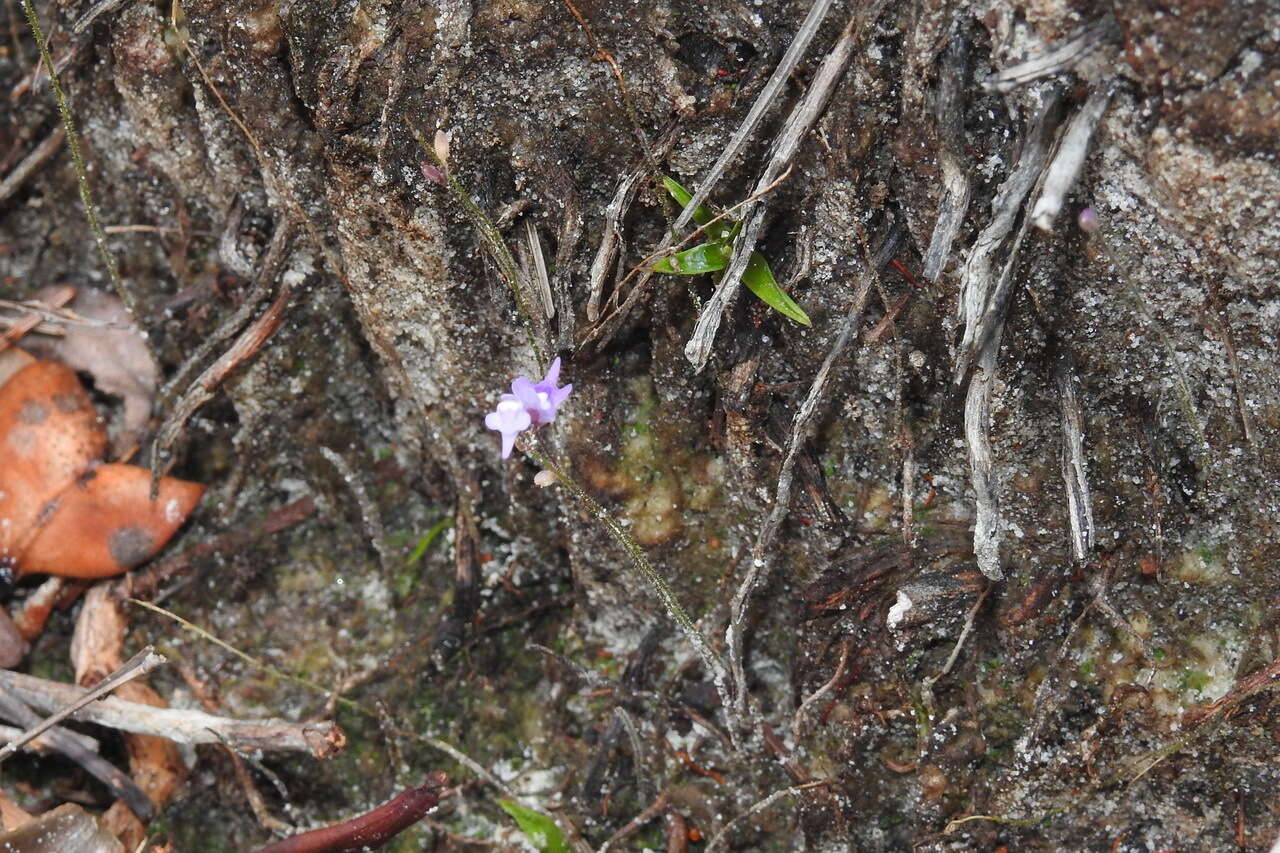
(61, 511)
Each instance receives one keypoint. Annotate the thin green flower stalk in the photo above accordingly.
(82, 175)
(489, 233)
(661, 589)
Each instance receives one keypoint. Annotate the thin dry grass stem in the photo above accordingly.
(600, 52)
(661, 589)
(817, 695)
(721, 839)
(1075, 469)
(369, 512)
(136, 667)
(28, 166)
(757, 571)
(772, 89)
(82, 175)
(244, 656)
(783, 152)
(654, 809)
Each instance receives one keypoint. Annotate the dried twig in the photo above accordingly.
(33, 161)
(15, 708)
(802, 118)
(1075, 471)
(1061, 57)
(202, 390)
(321, 739)
(1069, 158)
(758, 570)
(137, 666)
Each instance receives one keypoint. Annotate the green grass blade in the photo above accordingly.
(703, 215)
(708, 257)
(540, 829)
(759, 280)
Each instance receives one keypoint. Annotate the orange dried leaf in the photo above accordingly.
(106, 523)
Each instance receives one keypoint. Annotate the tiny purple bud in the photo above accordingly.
(434, 174)
(1087, 219)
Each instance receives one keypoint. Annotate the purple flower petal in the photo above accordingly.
(510, 419)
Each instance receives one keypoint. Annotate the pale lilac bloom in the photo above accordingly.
(528, 406)
(510, 419)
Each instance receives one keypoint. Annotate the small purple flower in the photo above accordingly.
(528, 406)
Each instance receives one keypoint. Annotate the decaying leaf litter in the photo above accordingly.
(395, 333)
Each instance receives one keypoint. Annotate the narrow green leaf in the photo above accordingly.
(759, 280)
(424, 543)
(540, 829)
(702, 215)
(708, 257)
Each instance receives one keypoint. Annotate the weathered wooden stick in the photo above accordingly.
(321, 739)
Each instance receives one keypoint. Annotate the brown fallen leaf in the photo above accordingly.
(112, 350)
(61, 512)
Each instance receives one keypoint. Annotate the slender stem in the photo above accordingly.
(497, 249)
(666, 596)
(82, 175)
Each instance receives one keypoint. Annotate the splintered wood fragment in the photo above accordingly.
(984, 301)
(1061, 57)
(801, 120)
(1075, 473)
(611, 239)
(979, 311)
(539, 279)
(1069, 159)
(949, 111)
(321, 739)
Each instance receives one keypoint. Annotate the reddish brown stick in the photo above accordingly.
(372, 829)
